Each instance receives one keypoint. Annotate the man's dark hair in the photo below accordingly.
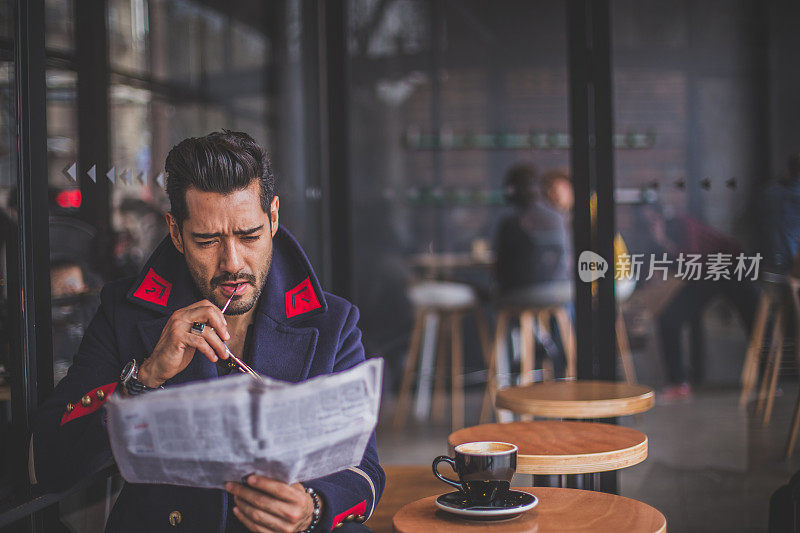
(221, 162)
(521, 185)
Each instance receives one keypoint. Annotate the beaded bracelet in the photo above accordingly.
(317, 508)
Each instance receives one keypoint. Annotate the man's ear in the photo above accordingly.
(273, 214)
(175, 232)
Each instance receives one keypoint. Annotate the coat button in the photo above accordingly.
(70, 407)
(86, 401)
(175, 518)
(100, 394)
(350, 517)
(360, 518)
(337, 526)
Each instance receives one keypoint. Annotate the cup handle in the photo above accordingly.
(452, 463)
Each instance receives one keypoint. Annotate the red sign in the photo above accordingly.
(154, 289)
(301, 299)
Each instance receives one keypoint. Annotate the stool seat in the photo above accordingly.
(540, 295)
(442, 294)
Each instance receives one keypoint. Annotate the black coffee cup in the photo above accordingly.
(484, 470)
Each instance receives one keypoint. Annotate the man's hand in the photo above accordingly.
(177, 344)
(267, 505)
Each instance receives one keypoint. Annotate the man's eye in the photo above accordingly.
(251, 237)
(205, 243)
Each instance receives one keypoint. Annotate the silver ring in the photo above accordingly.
(197, 328)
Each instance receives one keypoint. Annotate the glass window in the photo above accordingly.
(9, 249)
(59, 25)
(443, 105)
(128, 29)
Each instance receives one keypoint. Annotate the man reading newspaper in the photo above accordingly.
(166, 327)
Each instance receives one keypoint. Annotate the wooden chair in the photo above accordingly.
(447, 303)
(549, 305)
(771, 302)
(794, 287)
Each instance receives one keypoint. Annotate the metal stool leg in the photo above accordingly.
(753, 357)
(498, 350)
(567, 333)
(457, 371)
(408, 373)
(440, 370)
(624, 349)
(776, 369)
(768, 368)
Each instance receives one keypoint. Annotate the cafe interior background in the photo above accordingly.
(391, 125)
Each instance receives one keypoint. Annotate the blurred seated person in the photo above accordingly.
(558, 193)
(533, 249)
(687, 235)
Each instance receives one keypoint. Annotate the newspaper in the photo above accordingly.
(206, 433)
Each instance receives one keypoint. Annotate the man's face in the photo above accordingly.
(560, 194)
(227, 239)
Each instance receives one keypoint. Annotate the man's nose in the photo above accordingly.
(231, 259)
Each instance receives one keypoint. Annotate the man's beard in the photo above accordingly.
(238, 306)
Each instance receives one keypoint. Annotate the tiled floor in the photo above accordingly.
(711, 466)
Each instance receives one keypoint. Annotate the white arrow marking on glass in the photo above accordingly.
(112, 175)
(71, 171)
(93, 173)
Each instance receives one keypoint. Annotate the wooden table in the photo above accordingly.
(559, 510)
(576, 399)
(404, 484)
(551, 447)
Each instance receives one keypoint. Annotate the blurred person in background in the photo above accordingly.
(557, 189)
(534, 252)
(687, 299)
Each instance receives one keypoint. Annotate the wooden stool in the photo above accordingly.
(577, 399)
(558, 510)
(448, 303)
(549, 447)
(771, 302)
(794, 287)
(531, 317)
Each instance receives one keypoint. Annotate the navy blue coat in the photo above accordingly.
(299, 332)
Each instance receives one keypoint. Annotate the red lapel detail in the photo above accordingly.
(358, 509)
(154, 289)
(79, 410)
(301, 299)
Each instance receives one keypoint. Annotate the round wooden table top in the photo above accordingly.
(551, 447)
(576, 399)
(558, 510)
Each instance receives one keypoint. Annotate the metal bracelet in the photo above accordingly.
(317, 510)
